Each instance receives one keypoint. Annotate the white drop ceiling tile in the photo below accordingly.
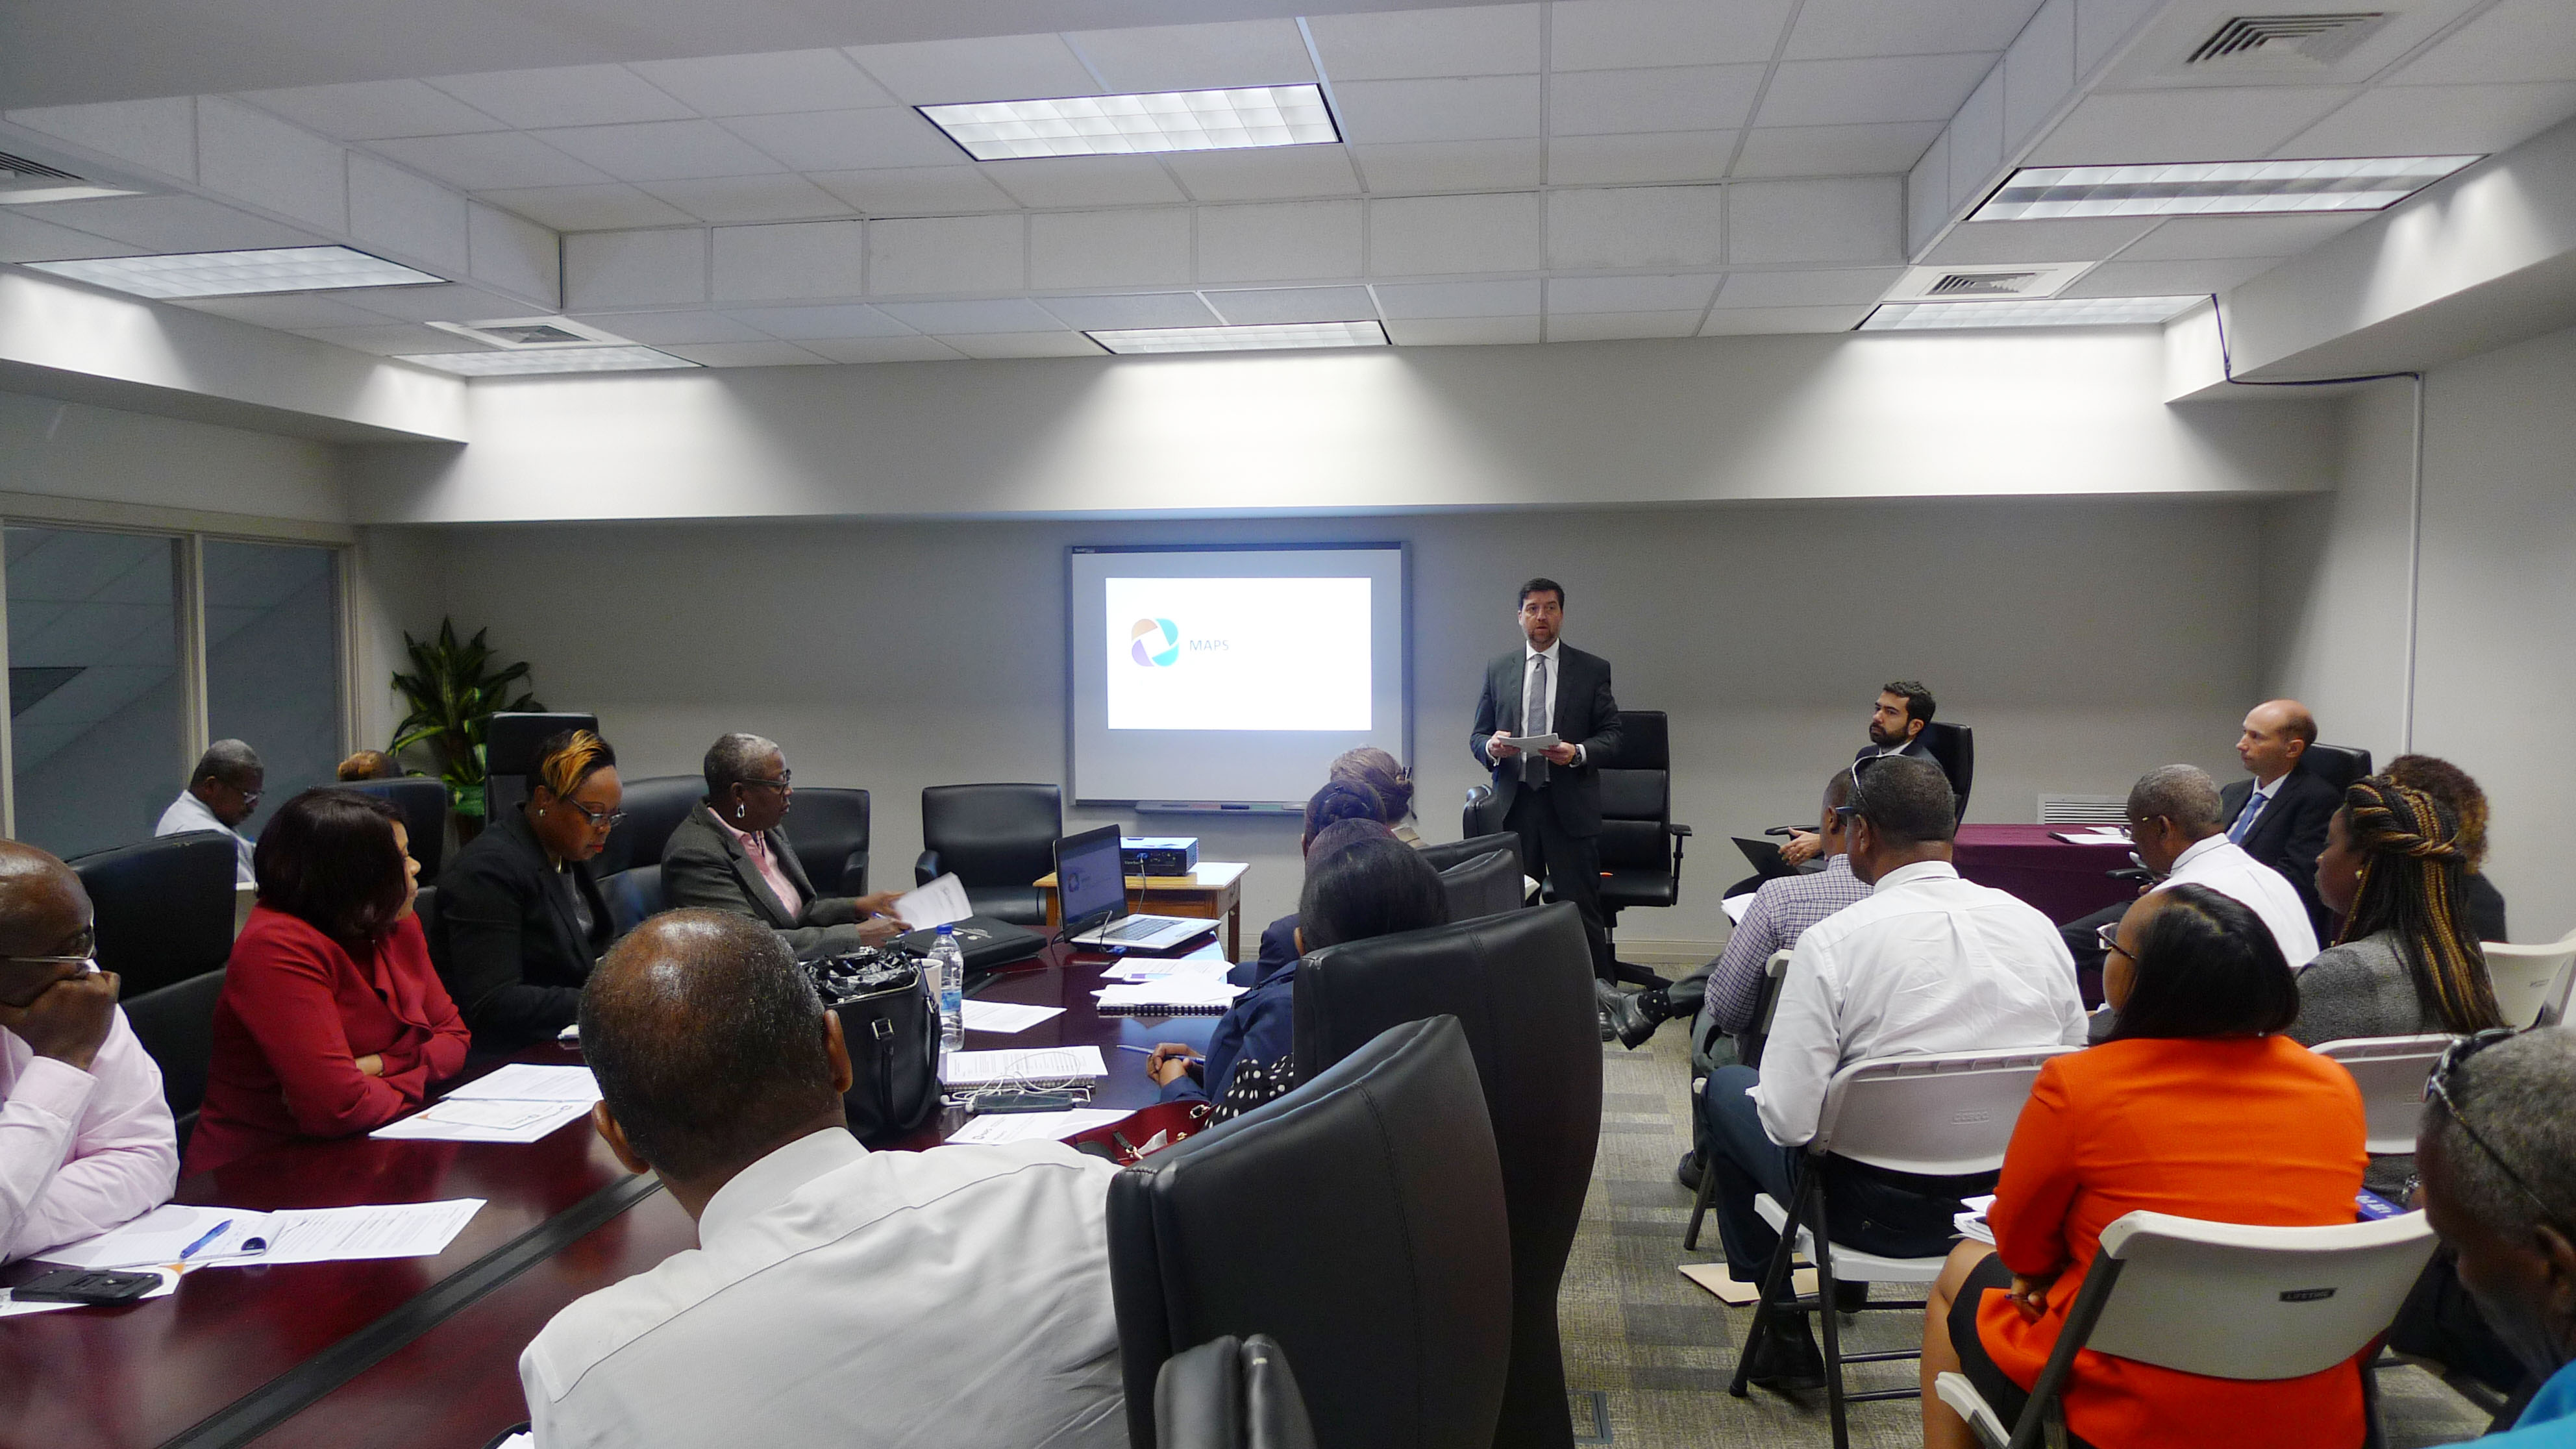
(1142, 247)
(393, 339)
(1414, 300)
(916, 190)
(2437, 120)
(514, 255)
(1762, 321)
(1855, 219)
(1629, 160)
(412, 215)
(1840, 29)
(998, 314)
(1463, 331)
(1198, 57)
(798, 324)
(1266, 173)
(1026, 344)
(1618, 326)
(1879, 150)
(1278, 305)
(1287, 242)
(2167, 279)
(1570, 295)
(750, 198)
(2204, 238)
(1636, 226)
(1671, 98)
(1977, 136)
(2208, 124)
(611, 206)
(291, 312)
(1473, 108)
(251, 156)
(661, 329)
(374, 110)
(29, 238)
(884, 349)
(804, 260)
(456, 302)
(635, 268)
(865, 140)
(1151, 309)
(1860, 92)
(158, 135)
(776, 83)
(661, 150)
(990, 68)
(1618, 34)
(2519, 40)
(1847, 287)
(1460, 40)
(1431, 235)
(2100, 25)
(926, 256)
(1418, 167)
(2057, 239)
(568, 95)
(175, 224)
(488, 161)
(1052, 181)
(746, 354)
(2039, 71)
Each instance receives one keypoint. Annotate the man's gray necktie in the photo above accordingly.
(1533, 713)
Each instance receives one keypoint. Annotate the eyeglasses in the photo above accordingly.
(2108, 933)
(599, 819)
(786, 781)
(2438, 1088)
(1844, 812)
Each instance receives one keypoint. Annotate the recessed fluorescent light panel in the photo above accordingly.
(2214, 188)
(1242, 339)
(240, 274)
(2033, 312)
(1125, 125)
(559, 359)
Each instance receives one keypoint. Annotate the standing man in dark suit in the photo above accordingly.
(1896, 726)
(1552, 801)
(2279, 816)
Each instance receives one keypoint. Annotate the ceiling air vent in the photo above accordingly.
(521, 334)
(1983, 284)
(24, 183)
(1979, 284)
(2287, 42)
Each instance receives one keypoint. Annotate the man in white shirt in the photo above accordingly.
(837, 1296)
(2174, 821)
(1926, 963)
(86, 1142)
(222, 792)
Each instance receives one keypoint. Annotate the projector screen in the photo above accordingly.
(1228, 678)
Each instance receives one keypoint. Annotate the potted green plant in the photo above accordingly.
(453, 690)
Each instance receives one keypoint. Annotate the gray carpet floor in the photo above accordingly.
(1648, 1353)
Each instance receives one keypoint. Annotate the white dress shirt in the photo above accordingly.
(2228, 870)
(190, 813)
(80, 1151)
(1555, 691)
(855, 1299)
(1926, 963)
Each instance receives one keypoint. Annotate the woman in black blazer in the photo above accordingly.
(731, 855)
(520, 921)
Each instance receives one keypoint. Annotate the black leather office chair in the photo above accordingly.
(828, 825)
(165, 907)
(654, 806)
(1231, 1393)
(1451, 852)
(1484, 886)
(176, 1025)
(510, 751)
(634, 895)
(422, 799)
(1954, 749)
(997, 839)
(1520, 985)
(2337, 765)
(1358, 1221)
(1641, 847)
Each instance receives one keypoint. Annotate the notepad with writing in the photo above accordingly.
(1171, 996)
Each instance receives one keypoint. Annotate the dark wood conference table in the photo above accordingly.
(422, 1351)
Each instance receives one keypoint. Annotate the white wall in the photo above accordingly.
(75, 450)
(2086, 641)
(2334, 581)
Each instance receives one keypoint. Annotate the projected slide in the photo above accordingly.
(1237, 653)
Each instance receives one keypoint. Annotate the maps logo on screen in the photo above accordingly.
(1157, 644)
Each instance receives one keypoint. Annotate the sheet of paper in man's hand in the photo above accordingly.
(940, 903)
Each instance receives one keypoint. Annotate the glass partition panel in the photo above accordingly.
(96, 702)
(273, 662)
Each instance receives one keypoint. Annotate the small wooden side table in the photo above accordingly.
(1213, 892)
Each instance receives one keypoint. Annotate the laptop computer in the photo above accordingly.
(1091, 887)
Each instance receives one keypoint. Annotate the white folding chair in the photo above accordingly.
(2223, 1300)
(2391, 1071)
(1938, 1116)
(2531, 981)
(1762, 1014)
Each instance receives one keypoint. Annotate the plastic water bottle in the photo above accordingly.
(948, 959)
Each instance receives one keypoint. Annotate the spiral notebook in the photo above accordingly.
(1172, 996)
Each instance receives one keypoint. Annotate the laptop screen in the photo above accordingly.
(1090, 878)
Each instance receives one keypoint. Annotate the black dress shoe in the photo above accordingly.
(1687, 1171)
(1785, 1357)
(1623, 1015)
(1850, 1297)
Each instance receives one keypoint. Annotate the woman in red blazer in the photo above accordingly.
(332, 1020)
(2196, 1106)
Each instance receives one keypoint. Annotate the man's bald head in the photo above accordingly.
(708, 1042)
(41, 901)
(2275, 734)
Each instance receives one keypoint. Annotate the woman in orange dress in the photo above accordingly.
(2197, 1106)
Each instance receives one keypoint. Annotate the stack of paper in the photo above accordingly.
(518, 1103)
(2102, 835)
(940, 903)
(1005, 1016)
(1010, 1066)
(237, 1237)
(1972, 1223)
(1035, 1126)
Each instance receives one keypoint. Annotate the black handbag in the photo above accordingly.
(892, 1032)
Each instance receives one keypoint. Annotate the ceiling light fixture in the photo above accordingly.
(554, 359)
(2026, 312)
(1241, 339)
(240, 274)
(2214, 188)
(1126, 125)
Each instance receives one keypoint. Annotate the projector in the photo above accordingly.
(1159, 854)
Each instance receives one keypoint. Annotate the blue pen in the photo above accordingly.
(211, 1234)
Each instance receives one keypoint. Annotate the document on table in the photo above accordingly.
(521, 1082)
(518, 1103)
(1005, 1016)
(1186, 992)
(2093, 837)
(1038, 1064)
(995, 1127)
(940, 903)
(1213, 968)
(10, 1307)
(293, 1235)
